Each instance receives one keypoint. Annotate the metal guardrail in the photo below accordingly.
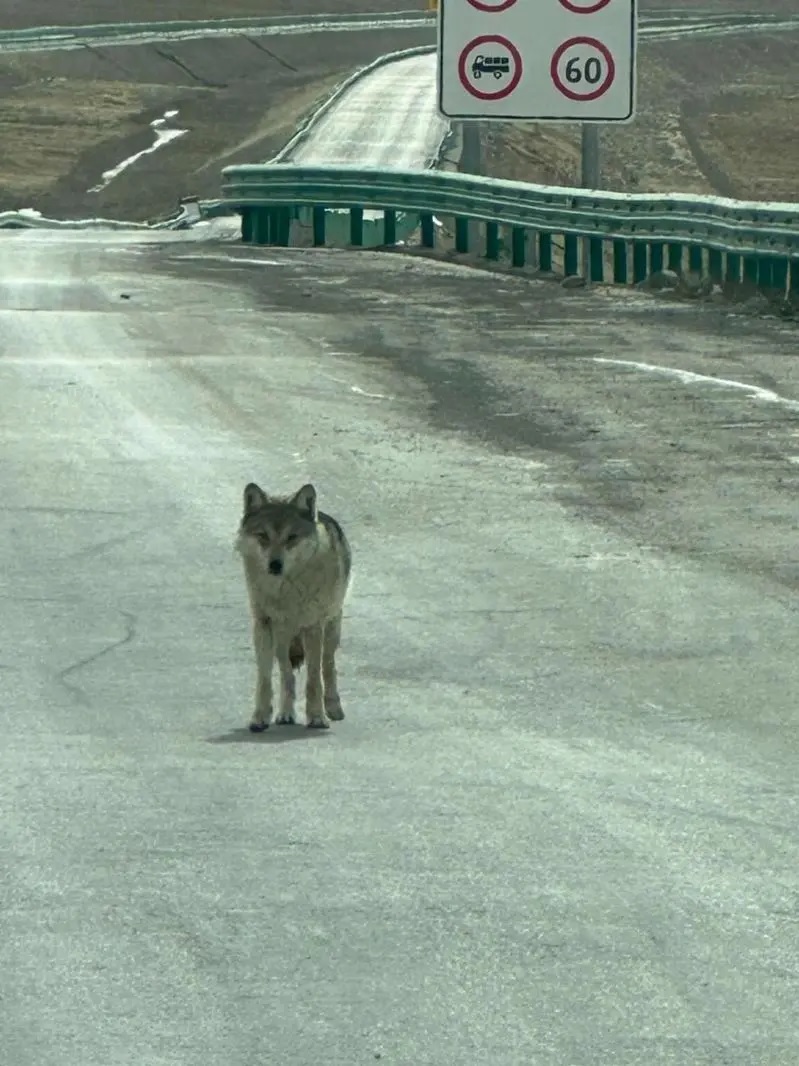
(605, 236)
(39, 38)
(662, 25)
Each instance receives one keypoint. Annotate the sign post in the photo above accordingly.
(538, 61)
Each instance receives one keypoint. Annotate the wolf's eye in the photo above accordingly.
(263, 538)
(291, 538)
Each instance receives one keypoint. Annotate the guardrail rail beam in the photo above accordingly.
(567, 231)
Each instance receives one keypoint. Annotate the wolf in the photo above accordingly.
(297, 566)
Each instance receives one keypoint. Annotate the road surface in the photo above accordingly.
(559, 824)
(388, 118)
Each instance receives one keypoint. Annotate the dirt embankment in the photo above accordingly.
(715, 115)
(66, 117)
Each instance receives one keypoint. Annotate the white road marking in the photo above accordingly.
(688, 377)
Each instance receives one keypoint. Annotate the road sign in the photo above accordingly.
(583, 68)
(584, 7)
(490, 67)
(492, 5)
(537, 60)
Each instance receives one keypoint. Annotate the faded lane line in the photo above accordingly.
(688, 377)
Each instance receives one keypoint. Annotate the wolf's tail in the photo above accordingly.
(296, 652)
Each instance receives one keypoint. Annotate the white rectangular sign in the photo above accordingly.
(537, 60)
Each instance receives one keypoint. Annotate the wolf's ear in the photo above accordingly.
(254, 498)
(305, 501)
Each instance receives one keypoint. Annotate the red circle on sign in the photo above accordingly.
(600, 89)
(481, 5)
(505, 90)
(597, 5)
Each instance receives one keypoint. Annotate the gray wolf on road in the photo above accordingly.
(297, 564)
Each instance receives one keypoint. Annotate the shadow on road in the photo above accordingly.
(273, 735)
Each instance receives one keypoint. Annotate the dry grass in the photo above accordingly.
(279, 124)
(33, 119)
(751, 139)
(714, 116)
(64, 121)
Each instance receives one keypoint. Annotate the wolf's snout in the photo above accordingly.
(276, 566)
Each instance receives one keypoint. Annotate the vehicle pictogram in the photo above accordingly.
(490, 67)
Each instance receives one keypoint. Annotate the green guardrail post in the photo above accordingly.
(750, 269)
(492, 240)
(247, 225)
(696, 260)
(765, 275)
(640, 261)
(462, 235)
(545, 252)
(282, 234)
(675, 252)
(655, 257)
(571, 254)
(596, 259)
(793, 288)
(518, 246)
(389, 226)
(261, 225)
(428, 228)
(779, 274)
(356, 226)
(715, 264)
(620, 262)
(732, 269)
(319, 220)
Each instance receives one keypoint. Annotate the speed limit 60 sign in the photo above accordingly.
(547, 60)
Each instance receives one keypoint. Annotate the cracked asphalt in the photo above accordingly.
(559, 823)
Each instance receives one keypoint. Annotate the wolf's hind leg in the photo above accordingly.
(332, 639)
(314, 705)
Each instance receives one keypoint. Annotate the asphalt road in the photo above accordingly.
(559, 824)
(386, 119)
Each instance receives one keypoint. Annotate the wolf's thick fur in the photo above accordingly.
(297, 564)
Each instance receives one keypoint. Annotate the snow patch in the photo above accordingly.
(163, 135)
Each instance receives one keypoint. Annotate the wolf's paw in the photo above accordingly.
(319, 721)
(287, 718)
(334, 710)
(258, 727)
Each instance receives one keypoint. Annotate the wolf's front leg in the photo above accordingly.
(263, 642)
(287, 687)
(314, 706)
(332, 639)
